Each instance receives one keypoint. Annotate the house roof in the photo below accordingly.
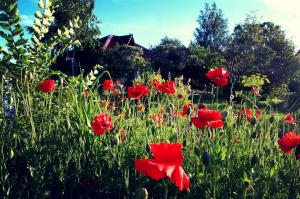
(111, 41)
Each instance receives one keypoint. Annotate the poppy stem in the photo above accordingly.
(166, 189)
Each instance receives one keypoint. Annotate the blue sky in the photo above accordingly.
(151, 20)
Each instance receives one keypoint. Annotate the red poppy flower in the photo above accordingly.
(157, 119)
(218, 76)
(289, 118)
(186, 107)
(138, 91)
(255, 90)
(207, 117)
(85, 93)
(249, 115)
(167, 87)
(47, 86)
(116, 91)
(101, 123)
(108, 84)
(289, 141)
(167, 161)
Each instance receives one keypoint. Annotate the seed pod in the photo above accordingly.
(205, 158)
(142, 194)
(253, 121)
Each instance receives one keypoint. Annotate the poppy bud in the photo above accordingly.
(271, 119)
(127, 114)
(115, 140)
(254, 160)
(272, 163)
(202, 106)
(298, 152)
(188, 111)
(148, 150)
(184, 143)
(148, 123)
(280, 134)
(173, 138)
(142, 194)
(197, 150)
(205, 158)
(153, 130)
(170, 108)
(224, 114)
(253, 121)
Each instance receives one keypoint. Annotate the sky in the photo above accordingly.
(151, 20)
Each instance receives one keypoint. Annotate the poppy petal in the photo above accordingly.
(149, 168)
(180, 178)
(198, 122)
(167, 152)
(215, 124)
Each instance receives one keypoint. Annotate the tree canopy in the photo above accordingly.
(212, 30)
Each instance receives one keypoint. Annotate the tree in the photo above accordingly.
(212, 30)
(125, 62)
(199, 61)
(169, 57)
(262, 48)
(66, 10)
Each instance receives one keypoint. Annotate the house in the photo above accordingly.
(111, 41)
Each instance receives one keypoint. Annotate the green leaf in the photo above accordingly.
(6, 58)
(13, 9)
(21, 42)
(4, 25)
(4, 17)
(17, 31)
(15, 21)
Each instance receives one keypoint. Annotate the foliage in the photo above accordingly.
(256, 80)
(173, 59)
(262, 48)
(199, 61)
(34, 58)
(66, 10)
(212, 30)
(169, 57)
(125, 62)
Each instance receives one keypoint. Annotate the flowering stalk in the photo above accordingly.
(8, 102)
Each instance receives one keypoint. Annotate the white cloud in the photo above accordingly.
(26, 20)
